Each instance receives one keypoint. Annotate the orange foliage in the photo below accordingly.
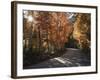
(52, 29)
(82, 30)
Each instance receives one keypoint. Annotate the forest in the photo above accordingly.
(48, 34)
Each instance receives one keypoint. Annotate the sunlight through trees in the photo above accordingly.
(49, 32)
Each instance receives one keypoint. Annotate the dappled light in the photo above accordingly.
(50, 34)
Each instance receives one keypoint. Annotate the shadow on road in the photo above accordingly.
(66, 58)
